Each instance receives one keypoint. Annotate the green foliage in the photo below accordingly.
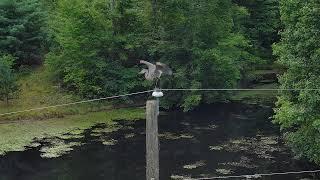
(8, 84)
(21, 30)
(99, 42)
(199, 39)
(94, 46)
(262, 25)
(298, 111)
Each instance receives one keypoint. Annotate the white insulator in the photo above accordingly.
(157, 94)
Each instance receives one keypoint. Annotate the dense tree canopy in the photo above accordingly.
(21, 30)
(99, 42)
(262, 25)
(95, 43)
(298, 111)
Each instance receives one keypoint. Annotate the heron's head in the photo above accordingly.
(143, 71)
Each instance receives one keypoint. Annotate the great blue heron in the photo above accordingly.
(155, 71)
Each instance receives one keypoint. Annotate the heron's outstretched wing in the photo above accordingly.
(151, 67)
(143, 71)
(163, 68)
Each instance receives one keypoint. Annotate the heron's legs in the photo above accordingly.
(157, 84)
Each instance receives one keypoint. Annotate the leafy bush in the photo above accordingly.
(8, 84)
(298, 111)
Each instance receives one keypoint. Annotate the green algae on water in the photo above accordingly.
(109, 142)
(58, 148)
(18, 136)
(174, 136)
(195, 165)
(131, 135)
(224, 171)
(178, 177)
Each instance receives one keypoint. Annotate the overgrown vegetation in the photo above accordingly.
(36, 89)
(8, 84)
(99, 42)
(262, 25)
(95, 45)
(298, 111)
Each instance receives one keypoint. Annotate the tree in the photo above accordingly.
(95, 42)
(199, 39)
(8, 84)
(298, 112)
(262, 25)
(99, 42)
(22, 30)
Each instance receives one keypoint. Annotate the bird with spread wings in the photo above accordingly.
(155, 71)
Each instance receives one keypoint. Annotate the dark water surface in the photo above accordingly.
(217, 140)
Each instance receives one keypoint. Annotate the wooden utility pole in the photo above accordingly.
(152, 140)
(153, 73)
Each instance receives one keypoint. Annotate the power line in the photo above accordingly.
(255, 175)
(74, 103)
(240, 89)
(143, 92)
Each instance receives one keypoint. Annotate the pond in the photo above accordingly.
(215, 140)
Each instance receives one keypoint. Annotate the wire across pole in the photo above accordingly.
(178, 89)
(143, 92)
(255, 175)
(75, 103)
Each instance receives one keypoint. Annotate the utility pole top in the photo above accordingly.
(157, 93)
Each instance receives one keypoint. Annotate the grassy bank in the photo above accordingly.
(257, 97)
(37, 90)
(259, 79)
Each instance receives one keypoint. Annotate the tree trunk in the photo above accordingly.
(154, 7)
(154, 14)
(113, 5)
(7, 100)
